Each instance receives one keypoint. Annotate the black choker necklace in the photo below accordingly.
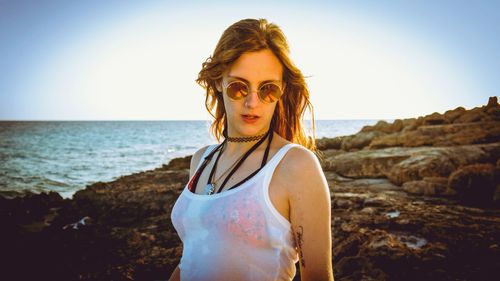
(245, 139)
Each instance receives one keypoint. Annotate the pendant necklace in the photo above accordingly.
(210, 187)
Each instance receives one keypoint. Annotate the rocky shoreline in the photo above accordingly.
(415, 199)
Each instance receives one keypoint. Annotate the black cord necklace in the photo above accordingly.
(209, 188)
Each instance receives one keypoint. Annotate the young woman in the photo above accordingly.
(258, 202)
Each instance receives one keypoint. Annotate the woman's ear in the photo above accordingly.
(218, 86)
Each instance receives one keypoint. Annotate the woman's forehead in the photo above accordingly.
(257, 67)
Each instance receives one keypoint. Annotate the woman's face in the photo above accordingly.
(255, 69)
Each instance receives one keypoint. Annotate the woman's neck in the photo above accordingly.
(240, 147)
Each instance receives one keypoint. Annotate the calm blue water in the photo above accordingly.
(65, 156)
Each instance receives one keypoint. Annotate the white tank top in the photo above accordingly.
(236, 234)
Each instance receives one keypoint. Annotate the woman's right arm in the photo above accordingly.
(176, 275)
(195, 159)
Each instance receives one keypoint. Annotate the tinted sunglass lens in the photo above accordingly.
(269, 93)
(236, 90)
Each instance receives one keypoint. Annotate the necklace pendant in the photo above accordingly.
(209, 189)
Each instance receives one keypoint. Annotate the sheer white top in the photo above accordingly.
(236, 234)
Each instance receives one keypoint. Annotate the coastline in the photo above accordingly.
(67, 156)
(417, 198)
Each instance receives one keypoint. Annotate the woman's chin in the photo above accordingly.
(248, 131)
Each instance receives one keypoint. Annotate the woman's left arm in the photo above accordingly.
(310, 214)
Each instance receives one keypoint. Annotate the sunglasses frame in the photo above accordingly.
(282, 90)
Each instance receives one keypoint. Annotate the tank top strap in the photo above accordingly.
(205, 154)
(275, 160)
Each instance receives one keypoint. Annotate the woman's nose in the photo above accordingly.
(252, 99)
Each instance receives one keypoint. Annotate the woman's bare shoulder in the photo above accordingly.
(298, 157)
(196, 158)
(299, 163)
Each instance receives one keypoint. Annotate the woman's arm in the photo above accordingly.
(310, 214)
(176, 276)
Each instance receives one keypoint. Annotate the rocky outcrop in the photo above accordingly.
(414, 199)
(119, 230)
(382, 233)
(410, 152)
(455, 127)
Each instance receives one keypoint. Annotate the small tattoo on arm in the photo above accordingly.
(300, 243)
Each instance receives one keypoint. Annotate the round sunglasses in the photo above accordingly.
(267, 93)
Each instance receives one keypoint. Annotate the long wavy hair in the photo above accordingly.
(251, 35)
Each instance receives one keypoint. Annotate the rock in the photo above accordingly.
(473, 115)
(442, 135)
(452, 115)
(492, 102)
(368, 210)
(342, 203)
(400, 164)
(376, 202)
(476, 183)
(496, 195)
(329, 143)
(438, 161)
(30, 208)
(367, 163)
(359, 140)
(384, 127)
(455, 127)
(325, 155)
(427, 186)
(179, 163)
(435, 119)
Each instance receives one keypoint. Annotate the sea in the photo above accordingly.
(66, 156)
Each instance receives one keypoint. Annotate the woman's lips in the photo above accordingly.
(249, 118)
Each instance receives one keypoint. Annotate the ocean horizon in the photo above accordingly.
(66, 156)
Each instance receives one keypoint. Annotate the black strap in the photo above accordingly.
(264, 160)
(266, 153)
(242, 159)
(215, 164)
(208, 158)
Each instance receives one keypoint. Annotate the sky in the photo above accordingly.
(138, 60)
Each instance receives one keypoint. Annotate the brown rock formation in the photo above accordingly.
(407, 151)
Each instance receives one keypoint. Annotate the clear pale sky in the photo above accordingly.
(137, 60)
